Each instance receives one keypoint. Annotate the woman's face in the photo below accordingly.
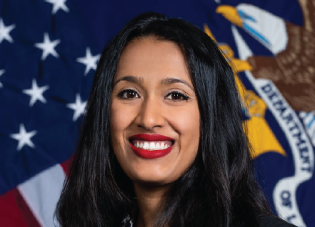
(155, 122)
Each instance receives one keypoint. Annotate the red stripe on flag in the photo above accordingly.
(14, 212)
(66, 166)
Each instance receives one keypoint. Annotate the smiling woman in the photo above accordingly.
(162, 142)
(158, 139)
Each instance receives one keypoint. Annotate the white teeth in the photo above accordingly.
(146, 146)
(152, 145)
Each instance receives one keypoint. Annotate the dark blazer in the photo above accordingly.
(273, 222)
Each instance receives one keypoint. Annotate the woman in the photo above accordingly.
(162, 142)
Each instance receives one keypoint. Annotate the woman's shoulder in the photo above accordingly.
(273, 222)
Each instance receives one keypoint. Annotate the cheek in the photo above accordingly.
(189, 139)
(119, 119)
(118, 123)
(187, 124)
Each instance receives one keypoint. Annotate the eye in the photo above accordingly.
(128, 94)
(176, 96)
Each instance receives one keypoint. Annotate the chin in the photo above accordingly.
(151, 178)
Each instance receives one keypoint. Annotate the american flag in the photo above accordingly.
(47, 62)
(49, 51)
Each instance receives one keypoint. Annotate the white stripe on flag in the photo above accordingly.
(41, 193)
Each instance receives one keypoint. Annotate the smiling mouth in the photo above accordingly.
(152, 145)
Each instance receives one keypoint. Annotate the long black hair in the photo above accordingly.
(219, 189)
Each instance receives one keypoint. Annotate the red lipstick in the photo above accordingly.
(147, 154)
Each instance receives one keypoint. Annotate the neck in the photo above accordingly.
(149, 200)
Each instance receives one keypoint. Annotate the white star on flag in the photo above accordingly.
(23, 137)
(78, 107)
(89, 60)
(1, 72)
(36, 93)
(4, 31)
(48, 47)
(58, 4)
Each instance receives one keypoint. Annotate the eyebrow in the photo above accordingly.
(172, 80)
(132, 79)
(139, 80)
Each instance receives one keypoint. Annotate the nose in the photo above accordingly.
(150, 115)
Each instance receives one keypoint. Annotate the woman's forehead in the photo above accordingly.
(150, 58)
